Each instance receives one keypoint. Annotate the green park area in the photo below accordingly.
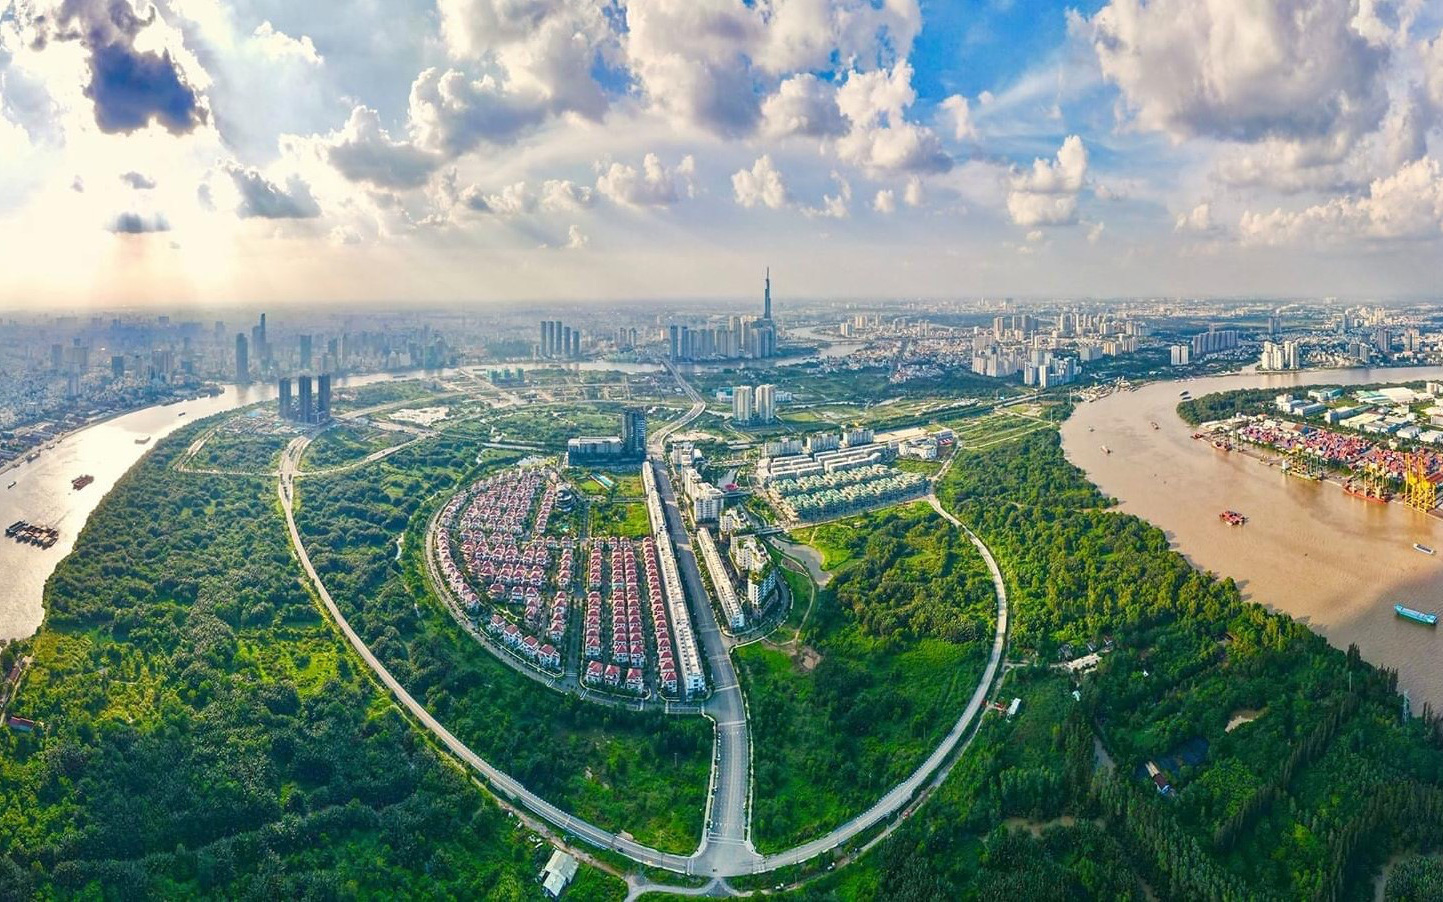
(349, 443)
(889, 655)
(205, 733)
(644, 773)
(240, 451)
(627, 519)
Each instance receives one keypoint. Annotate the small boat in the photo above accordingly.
(142, 441)
(1106, 450)
(1153, 423)
(181, 414)
(10, 486)
(81, 481)
(1423, 617)
(1232, 518)
(1423, 548)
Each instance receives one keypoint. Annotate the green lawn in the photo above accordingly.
(628, 519)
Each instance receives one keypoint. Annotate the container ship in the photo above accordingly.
(81, 481)
(1367, 494)
(1417, 616)
(1232, 518)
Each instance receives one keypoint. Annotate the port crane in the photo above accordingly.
(1301, 462)
(1420, 488)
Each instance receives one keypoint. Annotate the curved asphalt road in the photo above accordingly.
(500, 781)
(902, 793)
(726, 848)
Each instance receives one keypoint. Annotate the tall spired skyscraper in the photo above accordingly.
(767, 298)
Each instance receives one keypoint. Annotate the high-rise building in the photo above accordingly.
(242, 359)
(633, 431)
(323, 398)
(117, 366)
(766, 403)
(544, 344)
(307, 411)
(305, 352)
(673, 351)
(1382, 339)
(258, 345)
(742, 404)
(767, 297)
(57, 356)
(285, 398)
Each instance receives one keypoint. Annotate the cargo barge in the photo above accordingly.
(1417, 616)
(1232, 518)
(32, 534)
(81, 481)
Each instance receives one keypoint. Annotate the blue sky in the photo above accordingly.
(504, 150)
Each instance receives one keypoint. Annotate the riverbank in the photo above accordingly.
(105, 449)
(1335, 563)
(51, 443)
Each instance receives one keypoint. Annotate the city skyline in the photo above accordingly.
(260, 152)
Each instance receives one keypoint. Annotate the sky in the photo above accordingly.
(159, 152)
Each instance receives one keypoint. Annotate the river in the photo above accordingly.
(105, 450)
(1335, 563)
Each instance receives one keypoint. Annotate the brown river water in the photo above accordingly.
(1333, 562)
(42, 493)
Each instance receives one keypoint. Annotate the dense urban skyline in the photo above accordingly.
(206, 151)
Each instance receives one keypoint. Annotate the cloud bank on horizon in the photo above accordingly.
(428, 150)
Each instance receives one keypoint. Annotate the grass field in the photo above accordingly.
(620, 519)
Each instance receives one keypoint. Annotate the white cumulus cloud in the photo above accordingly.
(1046, 194)
(761, 185)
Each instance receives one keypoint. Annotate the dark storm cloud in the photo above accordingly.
(130, 88)
(136, 224)
(263, 199)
